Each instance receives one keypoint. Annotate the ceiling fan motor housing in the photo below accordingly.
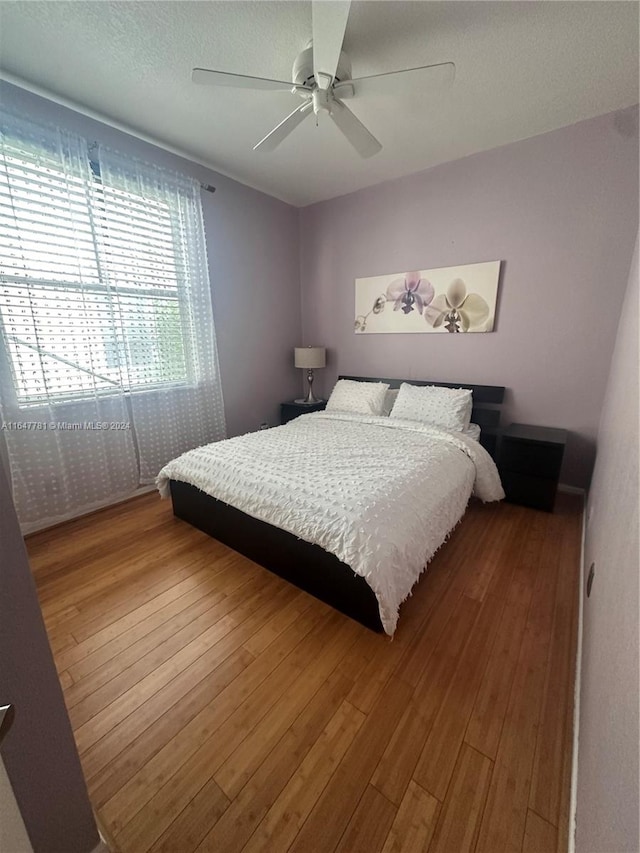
(302, 71)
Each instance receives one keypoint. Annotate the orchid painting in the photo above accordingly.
(448, 299)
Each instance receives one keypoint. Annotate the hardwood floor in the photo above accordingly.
(217, 708)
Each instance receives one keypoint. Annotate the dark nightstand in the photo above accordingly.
(529, 461)
(289, 411)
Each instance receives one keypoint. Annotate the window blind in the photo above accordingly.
(91, 294)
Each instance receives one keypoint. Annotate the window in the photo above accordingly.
(93, 291)
(108, 357)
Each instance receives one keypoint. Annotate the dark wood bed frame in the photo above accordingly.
(306, 565)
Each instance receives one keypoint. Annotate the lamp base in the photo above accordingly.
(306, 402)
(310, 399)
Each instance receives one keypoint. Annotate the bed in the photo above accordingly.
(336, 502)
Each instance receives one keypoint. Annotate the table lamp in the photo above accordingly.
(310, 359)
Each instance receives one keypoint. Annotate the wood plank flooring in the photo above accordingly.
(217, 708)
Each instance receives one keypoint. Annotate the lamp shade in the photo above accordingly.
(310, 358)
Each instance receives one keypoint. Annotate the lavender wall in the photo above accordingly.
(608, 783)
(560, 210)
(39, 752)
(252, 245)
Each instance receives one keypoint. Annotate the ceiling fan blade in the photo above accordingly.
(281, 131)
(432, 77)
(237, 81)
(329, 22)
(357, 134)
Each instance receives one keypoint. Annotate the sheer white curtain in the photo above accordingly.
(108, 363)
(171, 416)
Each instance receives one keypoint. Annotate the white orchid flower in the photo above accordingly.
(458, 310)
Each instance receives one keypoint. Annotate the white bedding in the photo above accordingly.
(472, 431)
(381, 494)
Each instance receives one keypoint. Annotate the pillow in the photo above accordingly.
(361, 398)
(445, 408)
(390, 398)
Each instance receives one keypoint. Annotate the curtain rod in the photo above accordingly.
(94, 145)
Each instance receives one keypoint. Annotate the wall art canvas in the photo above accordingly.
(449, 299)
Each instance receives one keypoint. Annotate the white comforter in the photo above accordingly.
(381, 494)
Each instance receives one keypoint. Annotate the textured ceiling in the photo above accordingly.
(522, 68)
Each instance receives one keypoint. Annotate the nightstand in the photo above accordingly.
(529, 462)
(289, 411)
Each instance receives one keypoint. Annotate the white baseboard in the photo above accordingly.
(30, 529)
(570, 490)
(573, 804)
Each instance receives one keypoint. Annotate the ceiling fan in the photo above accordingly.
(322, 77)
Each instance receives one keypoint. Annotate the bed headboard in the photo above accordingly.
(487, 400)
